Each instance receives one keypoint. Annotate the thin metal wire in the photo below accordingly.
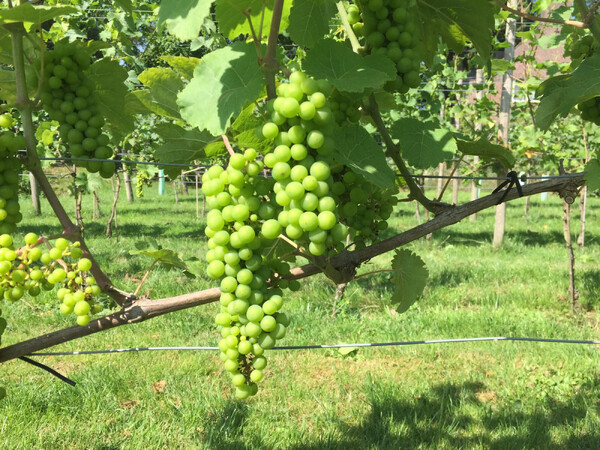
(124, 161)
(311, 347)
(446, 177)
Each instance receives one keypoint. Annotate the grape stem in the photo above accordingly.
(227, 144)
(450, 177)
(524, 15)
(347, 27)
(588, 15)
(33, 164)
(270, 65)
(393, 151)
(145, 277)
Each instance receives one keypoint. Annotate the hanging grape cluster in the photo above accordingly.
(29, 270)
(241, 231)
(391, 29)
(302, 203)
(10, 174)
(68, 97)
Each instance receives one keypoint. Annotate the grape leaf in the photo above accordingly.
(161, 98)
(109, 75)
(125, 4)
(592, 174)
(309, 20)
(163, 256)
(185, 65)
(233, 22)
(410, 278)
(346, 70)
(181, 146)
(423, 145)
(223, 83)
(34, 14)
(356, 148)
(473, 19)
(560, 94)
(487, 150)
(183, 18)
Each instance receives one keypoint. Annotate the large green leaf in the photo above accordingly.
(183, 18)
(33, 14)
(161, 98)
(457, 21)
(185, 65)
(592, 174)
(309, 20)
(560, 94)
(423, 145)
(346, 70)
(181, 146)
(231, 16)
(356, 148)
(409, 279)
(112, 94)
(487, 150)
(224, 81)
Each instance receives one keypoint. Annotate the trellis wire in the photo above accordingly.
(201, 166)
(318, 346)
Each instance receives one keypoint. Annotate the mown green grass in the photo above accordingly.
(472, 395)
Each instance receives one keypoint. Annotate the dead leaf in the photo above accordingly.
(486, 396)
(130, 404)
(159, 386)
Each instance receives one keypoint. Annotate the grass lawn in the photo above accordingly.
(473, 395)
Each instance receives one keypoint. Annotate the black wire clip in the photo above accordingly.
(48, 369)
(512, 181)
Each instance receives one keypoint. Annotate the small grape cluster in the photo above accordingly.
(141, 180)
(10, 173)
(363, 207)
(581, 48)
(68, 97)
(240, 235)
(590, 110)
(29, 270)
(391, 29)
(345, 108)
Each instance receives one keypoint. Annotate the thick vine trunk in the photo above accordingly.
(582, 208)
(113, 212)
(96, 205)
(35, 195)
(567, 234)
(128, 188)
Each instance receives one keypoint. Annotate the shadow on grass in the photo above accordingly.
(225, 428)
(460, 416)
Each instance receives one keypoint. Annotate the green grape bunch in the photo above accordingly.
(30, 270)
(241, 232)
(391, 28)
(10, 174)
(68, 97)
(301, 204)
